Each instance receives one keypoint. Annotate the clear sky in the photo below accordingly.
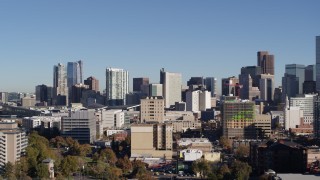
(196, 38)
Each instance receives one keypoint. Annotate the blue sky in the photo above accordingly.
(196, 38)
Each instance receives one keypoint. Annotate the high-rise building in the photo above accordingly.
(298, 71)
(77, 91)
(13, 142)
(316, 121)
(247, 91)
(195, 81)
(74, 73)
(318, 62)
(266, 62)
(254, 72)
(44, 94)
(151, 140)
(290, 86)
(138, 82)
(155, 90)
(309, 87)
(172, 83)
(230, 86)
(93, 83)
(310, 73)
(80, 125)
(4, 97)
(306, 104)
(152, 109)
(117, 86)
(198, 100)
(60, 87)
(211, 85)
(266, 87)
(238, 119)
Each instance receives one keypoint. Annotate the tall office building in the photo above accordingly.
(80, 125)
(60, 88)
(93, 83)
(298, 71)
(266, 62)
(230, 86)
(211, 85)
(290, 86)
(195, 81)
(247, 91)
(172, 83)
(310, 73)
(44, 94)
(318, 62)
(254, 72)
(198, 100)
(117, 86)
(74, 73)
(138, 82)
(4, 97)
(77, 91)
(266, 87)
(13, 142)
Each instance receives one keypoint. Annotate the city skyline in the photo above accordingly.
(187, 37)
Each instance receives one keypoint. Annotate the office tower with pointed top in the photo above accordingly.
(117, 86)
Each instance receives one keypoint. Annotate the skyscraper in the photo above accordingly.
(44, 94)
(60, 87)
(93, 83)
(74, 73)
(266, 62)
(211, 85)
(230, 86)
(266, 87)
(310, 73)
(298, 71)
(138, 82)
(117, 86)
(172, 83)
(318, 62)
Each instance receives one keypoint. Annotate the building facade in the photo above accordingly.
(93, 83)
(117, 86)
(318, 62)
(266, 62)
(60, 87)
(152, 109)
(211, 85)
(138, 82)
(171, 83)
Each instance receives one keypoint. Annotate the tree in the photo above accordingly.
(140, 170)
(69, 165)
(21, 168)
(201, 166)
(9, 171)
(242, 152)
(58, 142)
(241, 170)
(124, 164)
(42, 171)
(224, 142)
(107, 155)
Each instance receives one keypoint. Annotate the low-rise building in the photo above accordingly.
(190, 154)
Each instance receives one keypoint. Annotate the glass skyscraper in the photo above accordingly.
(74, 73)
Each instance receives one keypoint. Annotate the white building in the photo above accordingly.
(293, 117)
(172, 83)
(191, 154)
(113, 118)
(60, 81)
(30, 123)
(306, 104)
(13, 142)
(198, 100)
(45, 121)
(117, 86)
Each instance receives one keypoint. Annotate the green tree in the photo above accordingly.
(107, 155)
(21, 168)
(140, 170)
(241, 170)
(58, 142)
(9, 171)
(202, 167)
(42, 171)
(124, 164)
(69, 165)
